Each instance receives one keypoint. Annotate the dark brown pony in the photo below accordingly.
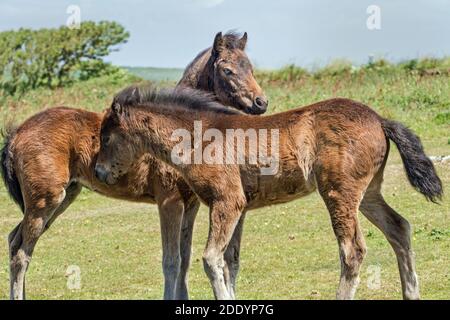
(338, 147)
(225, 70)
(49, 158)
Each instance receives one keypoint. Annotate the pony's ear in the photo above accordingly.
(243, 41)
(218, 44)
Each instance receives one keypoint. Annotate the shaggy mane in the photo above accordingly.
(187, 99)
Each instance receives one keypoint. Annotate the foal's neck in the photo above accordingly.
(198, 74)
(154, 131)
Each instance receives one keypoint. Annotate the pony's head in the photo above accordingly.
(231, 75)
(118, 148)
(126, 128)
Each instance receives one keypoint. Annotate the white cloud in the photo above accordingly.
(208, 3)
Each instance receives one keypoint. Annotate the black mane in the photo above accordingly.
(181, 99)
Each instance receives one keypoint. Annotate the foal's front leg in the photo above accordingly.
(171, 214)
(223, 221)
(187, 229)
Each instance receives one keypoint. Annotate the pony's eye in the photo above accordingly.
(105, 140)
(227, 71)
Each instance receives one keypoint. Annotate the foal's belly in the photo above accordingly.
(287, 185)
(127, 192)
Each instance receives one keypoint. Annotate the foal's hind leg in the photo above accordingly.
(72, 192)
(343, 208)
(397, 231)
(24, 237)
(231, 257)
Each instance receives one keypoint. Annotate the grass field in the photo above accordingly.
(289, 250)
(156, 74)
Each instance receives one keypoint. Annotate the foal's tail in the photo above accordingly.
(7, 169)
(418, 166)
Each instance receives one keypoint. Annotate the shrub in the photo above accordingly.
(289, 73)
(376, 70)
(56, 57)
(336, 68)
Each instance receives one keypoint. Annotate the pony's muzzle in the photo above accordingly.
(100, 173)
(260, 105)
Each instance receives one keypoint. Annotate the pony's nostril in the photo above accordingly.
(100, 173)
(260, 102)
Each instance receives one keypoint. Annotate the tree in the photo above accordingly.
(56, 57)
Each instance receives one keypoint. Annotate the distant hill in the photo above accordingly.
(156, 74)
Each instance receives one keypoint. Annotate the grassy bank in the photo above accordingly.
(289, 250)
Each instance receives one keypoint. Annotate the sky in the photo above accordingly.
(169, 33)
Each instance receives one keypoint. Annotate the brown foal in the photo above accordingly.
(338, 147)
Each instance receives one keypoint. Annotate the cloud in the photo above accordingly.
(208, 3)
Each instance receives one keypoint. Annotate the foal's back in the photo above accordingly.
(337, 137)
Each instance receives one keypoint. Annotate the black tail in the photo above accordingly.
(7, 169)
(418, 166)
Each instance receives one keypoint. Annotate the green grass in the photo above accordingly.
(156, 74)
(289, 251)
